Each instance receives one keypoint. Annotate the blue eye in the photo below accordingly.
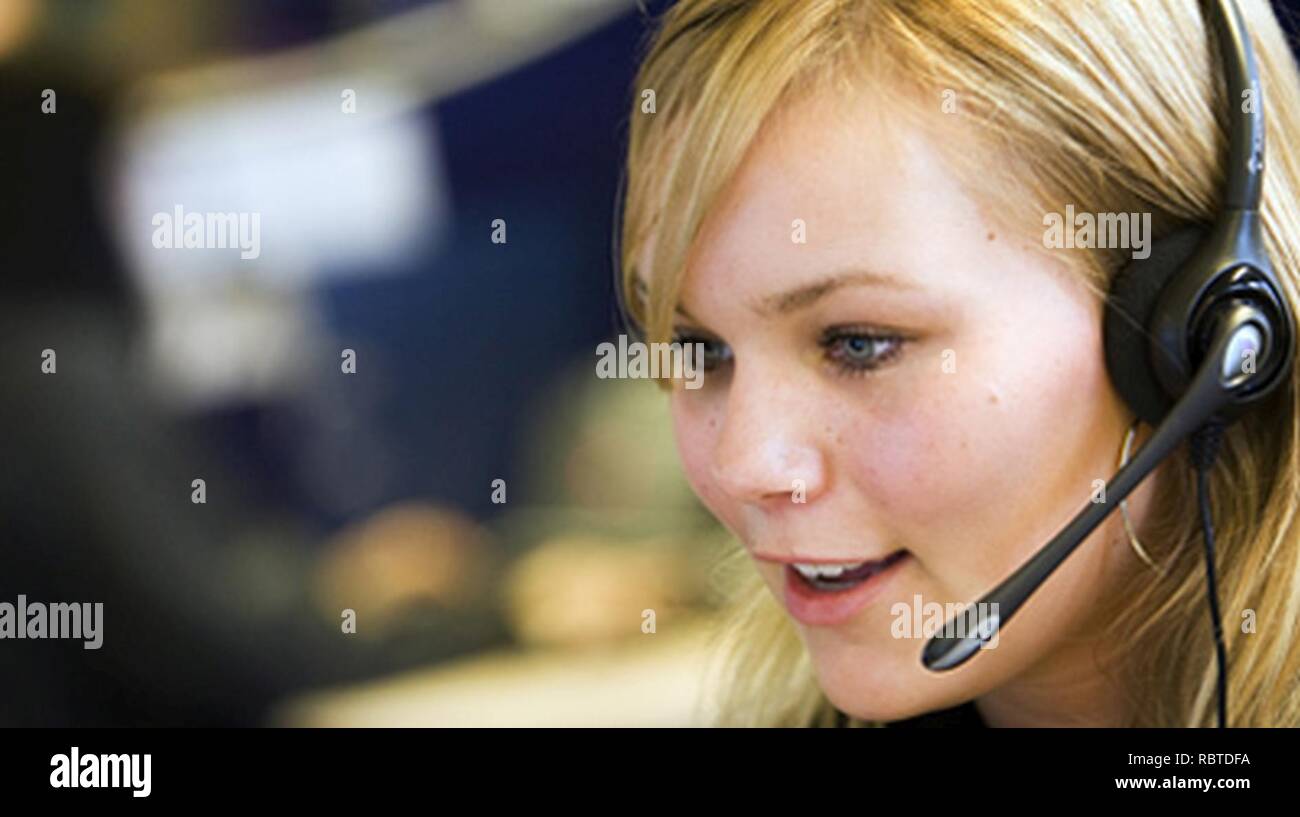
(716, 352)
(850, 350)
(854, 351)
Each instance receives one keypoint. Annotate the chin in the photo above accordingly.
(880, 683)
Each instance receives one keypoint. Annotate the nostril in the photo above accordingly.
(798, 491)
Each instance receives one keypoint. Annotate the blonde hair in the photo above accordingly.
(1104, 105)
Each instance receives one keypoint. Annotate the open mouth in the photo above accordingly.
(831, 578)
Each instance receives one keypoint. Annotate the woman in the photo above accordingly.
(905, 394)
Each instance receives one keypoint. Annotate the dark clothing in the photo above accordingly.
(962, 716)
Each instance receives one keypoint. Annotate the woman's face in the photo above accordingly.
(906, 382)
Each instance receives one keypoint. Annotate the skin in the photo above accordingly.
(970, 470)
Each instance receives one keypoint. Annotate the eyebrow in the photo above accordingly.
(805, 295)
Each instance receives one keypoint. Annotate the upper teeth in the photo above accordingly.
(825, 571)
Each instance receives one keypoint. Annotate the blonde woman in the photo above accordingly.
(845, 201)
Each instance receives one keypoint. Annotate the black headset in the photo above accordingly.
(1194, 334)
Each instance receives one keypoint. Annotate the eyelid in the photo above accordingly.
(833, 335)
(840, 330)
(684, 334)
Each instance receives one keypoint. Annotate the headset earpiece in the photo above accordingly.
(1163, 310)
(1130, 306)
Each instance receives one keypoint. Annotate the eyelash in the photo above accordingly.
(835, 336)
(832, 340)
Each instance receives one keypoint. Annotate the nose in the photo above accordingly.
(767, 452)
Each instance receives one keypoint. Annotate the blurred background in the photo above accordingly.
(391, 414)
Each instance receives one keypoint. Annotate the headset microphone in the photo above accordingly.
(1193, 334)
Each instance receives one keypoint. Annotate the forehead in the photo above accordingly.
(864, 185)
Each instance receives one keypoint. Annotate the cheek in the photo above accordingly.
(946, 452)
(696, 425)
(978, 466)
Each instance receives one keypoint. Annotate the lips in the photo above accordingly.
(830, 597)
